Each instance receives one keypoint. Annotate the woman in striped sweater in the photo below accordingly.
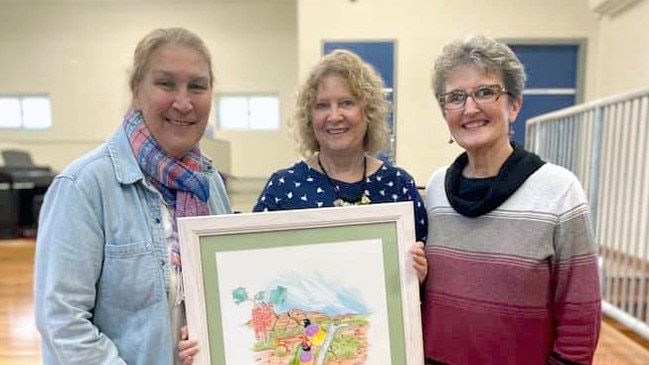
(512, 260)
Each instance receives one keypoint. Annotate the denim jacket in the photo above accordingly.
(102, 265)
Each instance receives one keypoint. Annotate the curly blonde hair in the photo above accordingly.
(365, 84)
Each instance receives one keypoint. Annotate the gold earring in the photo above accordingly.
(450, 140)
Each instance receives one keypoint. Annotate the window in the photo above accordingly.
(248, 112)
(25, 112)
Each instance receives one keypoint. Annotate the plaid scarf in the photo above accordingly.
(179, 182)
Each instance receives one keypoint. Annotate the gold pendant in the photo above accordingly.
(364, 200)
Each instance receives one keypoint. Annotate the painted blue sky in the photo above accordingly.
(316, 293)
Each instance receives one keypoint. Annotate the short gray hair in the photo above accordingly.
(491, 56)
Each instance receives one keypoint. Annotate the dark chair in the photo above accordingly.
(17, 158)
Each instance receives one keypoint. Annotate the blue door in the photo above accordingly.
(379, 54)
(553, 80)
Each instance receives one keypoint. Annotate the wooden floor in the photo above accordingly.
(19, 341)
(20, 344)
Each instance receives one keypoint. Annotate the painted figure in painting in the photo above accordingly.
(513, 263)
(340, 126)
(108, 284)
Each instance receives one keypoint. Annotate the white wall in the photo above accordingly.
(623, 51)
(421, 28)
(80, 52)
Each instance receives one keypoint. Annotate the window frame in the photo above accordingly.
(248, 127)
(23, 114)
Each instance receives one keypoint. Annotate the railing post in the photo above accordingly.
(595, 155)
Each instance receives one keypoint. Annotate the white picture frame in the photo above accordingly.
(345, 269)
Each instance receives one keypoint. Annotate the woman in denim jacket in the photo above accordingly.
(108, 271)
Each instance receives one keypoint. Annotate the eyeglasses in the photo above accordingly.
(485, 94)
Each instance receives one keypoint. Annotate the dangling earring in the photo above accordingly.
(511, 130)
(450, 140)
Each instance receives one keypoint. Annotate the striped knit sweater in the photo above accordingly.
(517, 285)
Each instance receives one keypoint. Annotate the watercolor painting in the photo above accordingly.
(326, 286)
(299, 307)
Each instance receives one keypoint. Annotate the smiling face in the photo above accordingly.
(175, 98)
(483, 127)
(337, 118)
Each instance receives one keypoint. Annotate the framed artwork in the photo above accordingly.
(303, 287)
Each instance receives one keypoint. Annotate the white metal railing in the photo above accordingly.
(606, 144)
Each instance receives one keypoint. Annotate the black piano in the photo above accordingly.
(22, 187)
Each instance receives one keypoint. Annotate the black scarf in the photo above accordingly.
(513, 173)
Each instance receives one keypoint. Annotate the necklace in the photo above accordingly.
(361, 199)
